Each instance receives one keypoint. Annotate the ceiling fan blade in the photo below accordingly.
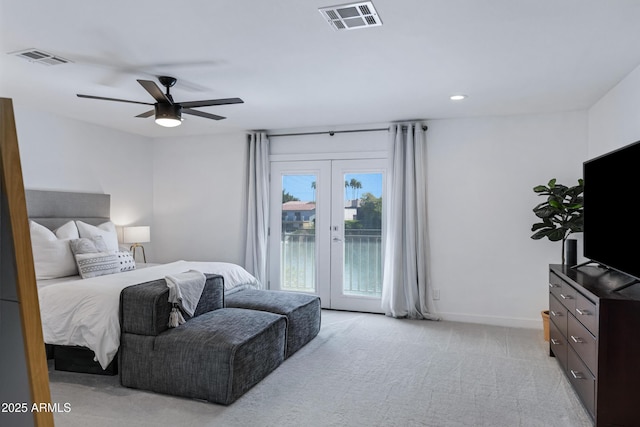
(147, 114)
(211, 102)
(155, 91)
(201, 114)
(112, 99)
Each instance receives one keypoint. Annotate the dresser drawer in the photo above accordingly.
(563, 291)
(555, 284)
(558, 345)
(558, 314)
(585, 344)
(586, 313)
(584, 383)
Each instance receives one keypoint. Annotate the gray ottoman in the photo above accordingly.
(302, 312)
(217, 356)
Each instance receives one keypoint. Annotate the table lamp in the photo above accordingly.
(136, 236)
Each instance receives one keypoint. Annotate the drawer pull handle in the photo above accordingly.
(563, 296)
(555, 341)
(576, 339)
(582, 312)
(551, 285)
(554, 314)
(577, 375)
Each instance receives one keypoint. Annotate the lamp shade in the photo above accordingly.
(168, 115)
(141, 234)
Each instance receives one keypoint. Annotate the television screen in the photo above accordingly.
(611, 229)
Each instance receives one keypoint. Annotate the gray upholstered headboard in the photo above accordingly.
(55, 208)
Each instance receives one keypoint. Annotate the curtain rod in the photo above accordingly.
(333, 132)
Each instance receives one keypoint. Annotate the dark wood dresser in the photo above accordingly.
(595, 336)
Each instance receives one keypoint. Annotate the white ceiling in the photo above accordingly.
(293, 71)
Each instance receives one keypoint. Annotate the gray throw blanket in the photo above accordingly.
(185, 290)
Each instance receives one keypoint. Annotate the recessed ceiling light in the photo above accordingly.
(457, 97)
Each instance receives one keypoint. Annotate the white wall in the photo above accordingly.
(61, 154)
(199, 181)
(481, 175)
(199, 198)
(614, 121)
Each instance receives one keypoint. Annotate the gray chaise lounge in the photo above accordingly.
(219, 353)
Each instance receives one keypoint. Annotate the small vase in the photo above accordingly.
(572, 252)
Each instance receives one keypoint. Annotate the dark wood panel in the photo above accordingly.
(598, 283)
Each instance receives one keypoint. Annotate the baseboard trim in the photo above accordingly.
(493, 320)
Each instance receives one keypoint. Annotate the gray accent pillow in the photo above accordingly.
(88, 245)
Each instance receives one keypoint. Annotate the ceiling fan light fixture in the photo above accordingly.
(167, 112)
(168, 115)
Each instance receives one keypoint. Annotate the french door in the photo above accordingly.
(326, 234)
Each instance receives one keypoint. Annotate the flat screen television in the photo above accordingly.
(611, 220)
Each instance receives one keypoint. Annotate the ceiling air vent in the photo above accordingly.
(351, 16)
(40, 57)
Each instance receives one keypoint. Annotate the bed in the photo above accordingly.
(82, 313)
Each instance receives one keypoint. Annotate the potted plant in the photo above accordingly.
(561, 214)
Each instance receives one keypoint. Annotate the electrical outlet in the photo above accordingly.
(436, 294)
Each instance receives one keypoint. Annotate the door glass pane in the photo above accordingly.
(362, 234)
(298, 236)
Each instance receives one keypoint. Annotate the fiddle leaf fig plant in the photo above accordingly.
(561, 214)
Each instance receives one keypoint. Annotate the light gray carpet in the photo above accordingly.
(363, 370)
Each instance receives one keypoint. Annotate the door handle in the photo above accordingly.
(337, 239)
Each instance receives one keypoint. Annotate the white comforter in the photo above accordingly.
(85, 312)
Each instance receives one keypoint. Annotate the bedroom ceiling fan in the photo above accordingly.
(168, 113)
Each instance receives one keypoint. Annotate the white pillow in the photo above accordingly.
(233, 274)
(52, 256)
(107, 230)
(127, 263)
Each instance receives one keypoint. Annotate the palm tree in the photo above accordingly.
(355, 185)
(313, 185)
(358, 187)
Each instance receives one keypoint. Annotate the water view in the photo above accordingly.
(362, 240)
